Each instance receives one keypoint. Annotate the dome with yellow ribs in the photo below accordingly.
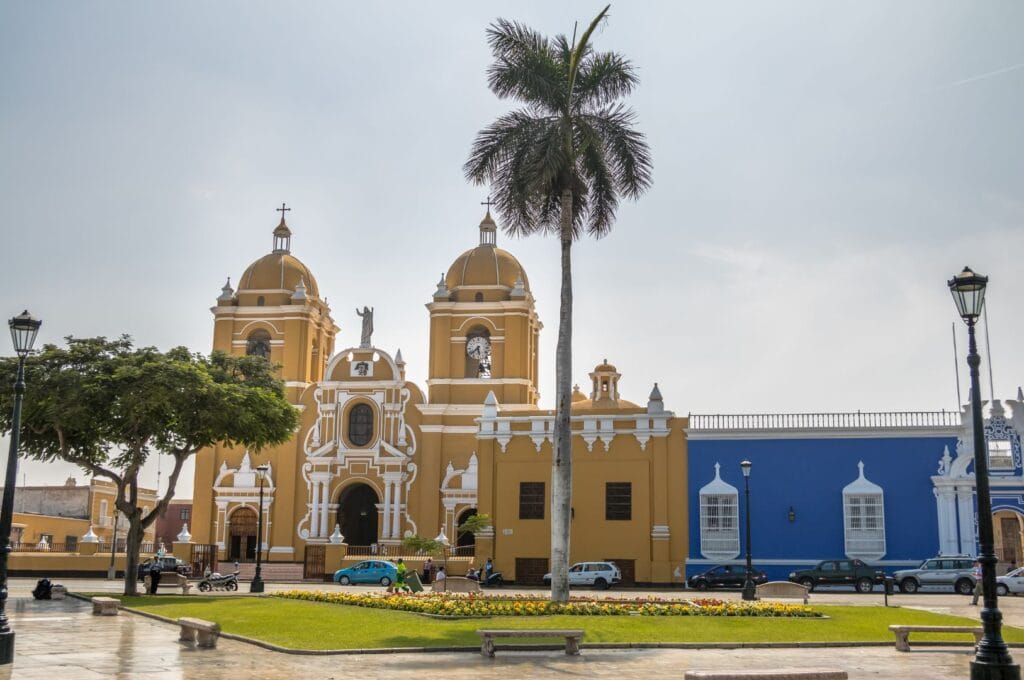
(486, 265)
(279, 270)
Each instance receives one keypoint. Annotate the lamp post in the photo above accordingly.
(992, 659)
(257, 583)
(23, 332)
(748, 579)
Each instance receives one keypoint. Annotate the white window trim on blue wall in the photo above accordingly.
(864, 519)
(719, 519)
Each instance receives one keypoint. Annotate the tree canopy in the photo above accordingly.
(108, 406)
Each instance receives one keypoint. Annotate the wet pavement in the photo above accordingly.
(62, 639)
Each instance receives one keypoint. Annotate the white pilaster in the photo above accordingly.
(314, 513)
(325, 498)
(945, 503)
(396, 513)
(965, 508)
(386, 529)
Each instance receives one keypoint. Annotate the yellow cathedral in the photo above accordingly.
(376, 458)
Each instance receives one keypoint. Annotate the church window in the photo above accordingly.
(260, 301)
(864, 518)
(719, 519)
(258, 344)
(479, 297)
(618, 500)
(1000, 455)
(531, 500)
(360, 424)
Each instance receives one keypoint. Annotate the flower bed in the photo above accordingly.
(473, 604)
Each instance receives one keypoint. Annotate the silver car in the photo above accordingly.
(956, 571)
(601, 575)
(1011, 583)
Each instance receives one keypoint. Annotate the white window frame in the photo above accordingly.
(864, 519)
(719, 520)
(1000, 455)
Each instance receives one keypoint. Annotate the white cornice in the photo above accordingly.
(879, 433)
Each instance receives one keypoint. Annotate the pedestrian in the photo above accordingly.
(488, 569)
(977, 582)
(428, 567)
(440, 575)
(154, 576)
(400, 576)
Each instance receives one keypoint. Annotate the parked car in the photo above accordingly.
(953, 570)
(168, 565)
(840, 572)
(368, 571)
(1011, 583)
(725, 576)
(601, 575)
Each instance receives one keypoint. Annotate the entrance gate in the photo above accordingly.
(313, 568)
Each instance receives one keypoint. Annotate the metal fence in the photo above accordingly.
(383, 550)
(859, 420)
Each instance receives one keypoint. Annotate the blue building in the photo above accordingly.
(891, 489)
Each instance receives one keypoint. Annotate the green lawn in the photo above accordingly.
(312, 625)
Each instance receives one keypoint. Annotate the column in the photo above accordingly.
(386, 529)
(396, 514)
(945, 503)
(965, 507)
(325, 499)
(314, 512)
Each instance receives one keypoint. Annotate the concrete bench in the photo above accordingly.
(203, 633)
(572, 638)
(105, 606)
(781, 590)
(903, 633)
(770, 674)
(58, 592)
(170, 580)
(456, 584)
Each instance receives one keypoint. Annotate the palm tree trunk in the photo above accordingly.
(561, 461)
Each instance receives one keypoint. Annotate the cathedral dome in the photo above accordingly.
(486, 265)
(279, 270)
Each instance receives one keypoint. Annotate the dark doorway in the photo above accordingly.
(466, 538)
(242, 535)
(357, 514)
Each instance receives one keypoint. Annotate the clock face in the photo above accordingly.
(477, 348)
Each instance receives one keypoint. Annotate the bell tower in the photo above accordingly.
(484, 328)
(277, 313)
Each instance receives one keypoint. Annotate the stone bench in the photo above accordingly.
(171, 580)
(58, 592)
(105, 606)
(781, 590)
(903, 632)
(456, 584)
(572, 638)
(770, 674)
(203, 633)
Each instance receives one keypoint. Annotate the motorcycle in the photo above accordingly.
(217, 581)
(493, 581)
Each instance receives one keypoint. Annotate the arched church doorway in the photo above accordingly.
(1008, 538)
(467, 538)
(357, 514)
(242, 535)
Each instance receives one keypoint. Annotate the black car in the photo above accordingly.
(725, 576)
(840, 572)
(168, 565)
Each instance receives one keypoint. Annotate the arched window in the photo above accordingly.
(719, 519)
(479, 297)
(258, 344)
(260, 301)
(864, 518)
(360, 424)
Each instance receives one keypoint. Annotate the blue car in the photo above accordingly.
(370, 571)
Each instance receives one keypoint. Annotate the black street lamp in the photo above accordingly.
(992, 659)
(23, 332)
(748, 579)
(257, 583)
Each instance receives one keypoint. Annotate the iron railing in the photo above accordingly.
(860, 420)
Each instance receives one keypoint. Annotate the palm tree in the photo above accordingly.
(558, 165)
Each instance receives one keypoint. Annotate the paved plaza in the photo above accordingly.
(63, 639)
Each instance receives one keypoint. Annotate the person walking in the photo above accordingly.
(154, 576)
(488, 569)
(977, 582)
(428, 568)
(400, 579)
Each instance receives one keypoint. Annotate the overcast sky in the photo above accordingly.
(820, 170)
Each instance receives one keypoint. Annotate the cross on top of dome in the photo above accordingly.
(282, 234)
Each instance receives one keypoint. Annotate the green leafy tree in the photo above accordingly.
(473, 524)
(107, 407)
(558, 165)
